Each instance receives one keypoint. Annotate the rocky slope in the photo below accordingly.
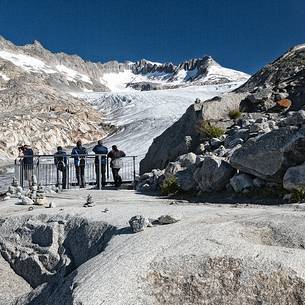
(242, 141)
(44, 117)
(283, 78)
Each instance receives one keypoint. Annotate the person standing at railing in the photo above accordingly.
(79, 154)
(100, 163)
(116, 163)
(60, 161)
(27, 162)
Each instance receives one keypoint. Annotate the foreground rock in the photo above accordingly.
(138, 223)
(217, 255)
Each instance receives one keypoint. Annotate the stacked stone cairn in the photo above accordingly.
(89, 202)
(14, 190)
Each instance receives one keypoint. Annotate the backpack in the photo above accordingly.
(61, 166)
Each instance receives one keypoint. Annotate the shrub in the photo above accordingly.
(209, 130)
(298, 196)
(169, 185)
(234, 114)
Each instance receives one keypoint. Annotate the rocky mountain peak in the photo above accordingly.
(199, 63)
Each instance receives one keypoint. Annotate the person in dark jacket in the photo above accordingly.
(27, 163)
(79, 154)
(116, 163)
(60, 161)
(100, 167)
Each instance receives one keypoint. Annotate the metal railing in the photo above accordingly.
(49, 174)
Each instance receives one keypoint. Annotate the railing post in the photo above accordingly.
(21, 172)
(134, 168)
(107, 167)
(38, 171)
(68, 173)
(99, 174)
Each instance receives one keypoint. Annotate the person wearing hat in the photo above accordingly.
(100, 167)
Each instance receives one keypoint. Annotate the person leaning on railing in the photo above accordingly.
(79, 154)
(116, 163)
(60, 161)
(100, 169)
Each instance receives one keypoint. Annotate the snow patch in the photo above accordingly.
(4, 76)
(73, 75)
(28, 63)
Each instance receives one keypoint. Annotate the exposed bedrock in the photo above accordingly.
(45, 249)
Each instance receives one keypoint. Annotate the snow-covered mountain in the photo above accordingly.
(46, 98)
(74, 74)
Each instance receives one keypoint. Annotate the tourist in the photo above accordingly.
(60, 161)
(116, 163)
(100, 167)
(79, 154)
(27, 162)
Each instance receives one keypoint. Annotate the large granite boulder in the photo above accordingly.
(183, 136)
(270, 155)
(214, 174)
(294, 178)
(186, 180)
(241, 182)
(183, 169)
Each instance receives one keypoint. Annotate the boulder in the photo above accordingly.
(294, 118)
(138, 223)
(240, 133)
(187, 160)
(259, 101)
(174, 141)
(241, 182)
(262, 127)
(214, 174)
(185, 179)
(172, 168)
(294, 178)
(215, 142)
(259, 183)
(26, 200)
(269, 156)
(168, 219)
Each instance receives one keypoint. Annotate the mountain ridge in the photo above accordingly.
(90, 75)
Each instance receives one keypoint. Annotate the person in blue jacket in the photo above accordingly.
(100, 169)
(79, 154)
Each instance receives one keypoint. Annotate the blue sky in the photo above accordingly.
(241, 34)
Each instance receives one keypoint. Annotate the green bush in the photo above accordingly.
(209, 130)
(234, 114)
(298, 195)
(169, 186)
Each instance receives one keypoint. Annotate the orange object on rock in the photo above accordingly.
(285, 103)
